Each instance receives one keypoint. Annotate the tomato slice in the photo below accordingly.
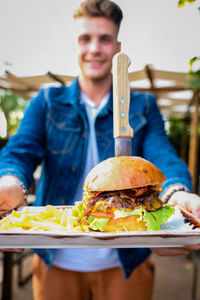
(99, 214)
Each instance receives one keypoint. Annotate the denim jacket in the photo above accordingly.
(54, 133)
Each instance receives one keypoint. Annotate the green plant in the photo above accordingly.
(12, 106)
(194, 75)
(182, 3)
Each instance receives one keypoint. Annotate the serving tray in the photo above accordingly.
(181, 229)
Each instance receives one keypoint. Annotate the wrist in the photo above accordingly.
(7, 181)
(170, 191)
(24, 189)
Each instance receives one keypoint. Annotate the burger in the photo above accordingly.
(122, 194)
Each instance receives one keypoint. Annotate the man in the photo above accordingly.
(68, 130)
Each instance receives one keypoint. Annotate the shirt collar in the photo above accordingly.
(84, 99)
(71, 95)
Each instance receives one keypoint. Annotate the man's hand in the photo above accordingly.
(188, 201)
(11, 194)
(175, 251)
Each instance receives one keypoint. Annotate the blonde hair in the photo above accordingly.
(100, 8)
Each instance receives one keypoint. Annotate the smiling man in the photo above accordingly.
(68, 130)
(95, 45)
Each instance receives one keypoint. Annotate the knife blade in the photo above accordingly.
(122, 131)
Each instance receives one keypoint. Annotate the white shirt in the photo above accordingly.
(88, 259)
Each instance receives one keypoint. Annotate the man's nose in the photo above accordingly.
(94, 46)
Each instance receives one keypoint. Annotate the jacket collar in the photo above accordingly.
(71, 95)
(109, 106)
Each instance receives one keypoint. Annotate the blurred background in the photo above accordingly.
(36, 38)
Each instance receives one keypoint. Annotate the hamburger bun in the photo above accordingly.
(122, 172)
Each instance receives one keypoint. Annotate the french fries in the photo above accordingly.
(47, 218)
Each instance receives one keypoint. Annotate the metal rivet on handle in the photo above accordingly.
(122, 101)
(123, 129)
(122, 114)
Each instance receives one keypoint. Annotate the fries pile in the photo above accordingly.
(47, 218)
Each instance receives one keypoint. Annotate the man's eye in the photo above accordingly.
(106, 39)
(84, 39)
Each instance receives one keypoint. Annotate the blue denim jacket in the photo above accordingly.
(54, 133)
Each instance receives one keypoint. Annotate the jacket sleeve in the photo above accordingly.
(25, 150)
(158, 149)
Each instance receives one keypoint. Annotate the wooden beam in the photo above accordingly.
(56, 78)
(28, 86)
(174, 101)
(137, 75)
(193, 150)
(160, 89)
(177, 77)
(150, 76)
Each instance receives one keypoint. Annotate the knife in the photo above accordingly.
(122, 131)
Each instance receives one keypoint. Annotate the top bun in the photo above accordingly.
(122, 172)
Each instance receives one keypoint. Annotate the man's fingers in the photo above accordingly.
(176, 251)
(171, 251)
(193, 247)
(198, 213)
(189, 201)
(12, 250)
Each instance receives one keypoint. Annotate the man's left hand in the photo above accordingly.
(175, 251)
(188, 201)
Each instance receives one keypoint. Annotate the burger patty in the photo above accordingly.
(124, 199)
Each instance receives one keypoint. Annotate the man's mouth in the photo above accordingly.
(94, 62)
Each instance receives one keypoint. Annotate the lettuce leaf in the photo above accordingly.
(77, 210)
(90, 219)
(155, 218)
(152, 219)
(98, 223)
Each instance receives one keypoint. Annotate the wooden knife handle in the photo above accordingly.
(121, 96)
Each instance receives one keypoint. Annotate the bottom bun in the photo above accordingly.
(130, 223)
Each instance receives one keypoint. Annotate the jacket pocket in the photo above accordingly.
(63, 131)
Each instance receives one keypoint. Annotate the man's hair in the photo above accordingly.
(100, 8)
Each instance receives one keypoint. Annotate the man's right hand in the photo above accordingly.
(11, 194)
(11, 197)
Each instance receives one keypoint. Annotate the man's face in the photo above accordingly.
(96, 43)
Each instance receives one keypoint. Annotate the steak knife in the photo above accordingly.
(122, 131)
